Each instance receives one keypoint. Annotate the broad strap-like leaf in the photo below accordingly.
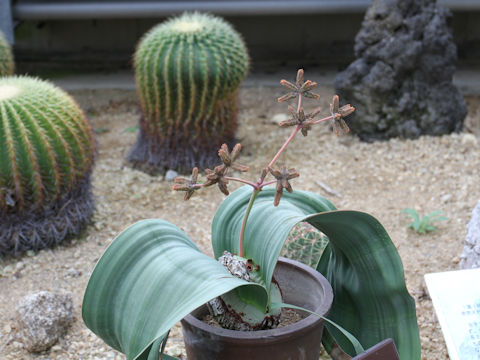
(370, 297)
(149, 278)
(365, 271)
(267, 227)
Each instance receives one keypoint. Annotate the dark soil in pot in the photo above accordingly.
(301, 286)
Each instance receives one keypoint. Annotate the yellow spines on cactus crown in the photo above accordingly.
(184, 67)
(46, 144)
(7, 65)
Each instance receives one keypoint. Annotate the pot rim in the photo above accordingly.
(301, 326)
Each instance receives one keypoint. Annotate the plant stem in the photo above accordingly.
(324, 119)
(260, 184)
(268, 183)
(258, 187)
(292, 135)
(244, 222)
(255, 186)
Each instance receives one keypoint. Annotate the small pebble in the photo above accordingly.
(469, 139)
(278, 118)
(74, 273)
(445, 198)
(170, 175)
(17, 345)
(56, 348)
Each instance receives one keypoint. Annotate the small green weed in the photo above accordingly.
(100, 130)
(131, 129)
(425, 224)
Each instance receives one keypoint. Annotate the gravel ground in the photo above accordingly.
(382, 178)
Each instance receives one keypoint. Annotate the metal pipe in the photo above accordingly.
(461, 5)
(46, 10)
(6, 23)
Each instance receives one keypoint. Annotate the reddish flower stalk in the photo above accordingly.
(331, 117)
(303, 123)
(252, 184)
(282, 149)
(268, 183)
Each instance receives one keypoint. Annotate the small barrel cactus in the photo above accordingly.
(187, 70)
(7, 65)
(305, 244)
(46, 157)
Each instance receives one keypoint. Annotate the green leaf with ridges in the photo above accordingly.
(366, 274)
(169, 277)
(252, 312)
(370, 297)
(267, 226)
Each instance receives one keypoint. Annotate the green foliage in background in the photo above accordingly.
(424, 224)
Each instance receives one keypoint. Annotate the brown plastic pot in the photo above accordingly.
(301, 286)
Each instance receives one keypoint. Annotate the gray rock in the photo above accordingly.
(170, 175)
(42, 318)
(401, 83)
(470, 258)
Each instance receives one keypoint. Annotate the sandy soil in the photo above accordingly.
(382, 178)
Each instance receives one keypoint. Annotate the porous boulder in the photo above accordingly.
(42, 318)
(471, 252)
(401, 83)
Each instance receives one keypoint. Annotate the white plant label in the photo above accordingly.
(456, 299)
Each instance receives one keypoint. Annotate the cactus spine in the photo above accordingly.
(7, 65)
(187, 70)
(46, 157)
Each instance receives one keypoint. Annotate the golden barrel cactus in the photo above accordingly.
(188, 70)
(46, 157)
(7, 65)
